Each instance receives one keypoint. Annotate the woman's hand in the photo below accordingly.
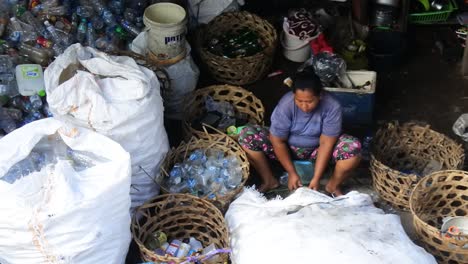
(294, 181)
(314, 184)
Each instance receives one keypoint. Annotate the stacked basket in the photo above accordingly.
(436, 196)
(399, 151)
(220, 142)
(244, 102)
(178, 216)
(238, 71)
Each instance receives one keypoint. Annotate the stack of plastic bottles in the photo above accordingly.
(48, 152)
(40, 30)
(17, 110)
(205, 173)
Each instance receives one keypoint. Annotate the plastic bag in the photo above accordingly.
(117, 98)
(59, 214)
(460, 127)
(310, 227)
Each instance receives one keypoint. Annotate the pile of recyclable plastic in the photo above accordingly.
(205, 173)
(33, 33)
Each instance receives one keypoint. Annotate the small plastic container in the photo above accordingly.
(30, 79)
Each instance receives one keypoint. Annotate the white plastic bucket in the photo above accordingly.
(294, 49)
(167, 25)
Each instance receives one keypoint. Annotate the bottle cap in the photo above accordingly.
(41, 93)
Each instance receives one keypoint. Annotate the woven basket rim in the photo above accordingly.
(412, 197)
(267, 51)
(163, 197)
(188, 116)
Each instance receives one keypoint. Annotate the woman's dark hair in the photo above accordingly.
(307, 80)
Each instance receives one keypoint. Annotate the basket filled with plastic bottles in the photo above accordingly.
(403, 154)
(237, 47)
(214, 168)
(180, 228)
(225, 108)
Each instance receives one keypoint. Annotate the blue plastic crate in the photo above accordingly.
(357, 104)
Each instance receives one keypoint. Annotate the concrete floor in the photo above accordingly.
(425, 88)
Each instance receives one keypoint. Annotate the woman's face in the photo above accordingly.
(306, 100)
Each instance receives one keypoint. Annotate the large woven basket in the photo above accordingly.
(179, 216)
(224, 143)
(441, 194)
(400, 149)
(238, 71)
(243, 100)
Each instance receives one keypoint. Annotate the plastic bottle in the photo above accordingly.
(195, 247)
(130, 15)
(3, 22)
(183, 251)
(98, 23)
(44, 5)
(36, 101)
(36, 55)
(207, 250)
(46, 111)
(176, 174)
(54, 11)
(173, 247)
(44, 42)
(6, 122)
(30, 19)
(108, 18)
(130, 28)
(53, 33)
(116, 6)
(14, 113)
(16, 30)
(90, 36)
(98, 6)
(81, 32)
(84, 11)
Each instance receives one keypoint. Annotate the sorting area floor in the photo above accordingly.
(426, 88)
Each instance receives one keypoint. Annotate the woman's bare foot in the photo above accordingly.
(335, 192)
(267, 186)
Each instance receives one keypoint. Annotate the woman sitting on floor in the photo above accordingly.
(305, 125)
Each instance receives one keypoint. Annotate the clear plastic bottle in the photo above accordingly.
(90, 35)
(84, 11)
(30, 19)
(36, 101)
(130, 15)
(3, 22)
(195, 246)
(36, 55)
(6, 122)
(98, 23)
(130, 28)
(54, 11)
(46, 111)
(44, 5)
(81, 32)
(53, 33)
(14, 113)
(116, 6)
(108, 18)
(98, 6)
(16, 30)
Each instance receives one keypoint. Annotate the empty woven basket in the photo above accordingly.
(238, 71)
(441, 194)
(244, 102)
(401, 152)
(179, 216)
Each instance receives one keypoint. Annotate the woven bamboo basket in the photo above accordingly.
(238, 71)
(179, 216)
(224, 143)
(438, 195)
(400, 150)
(244, 102)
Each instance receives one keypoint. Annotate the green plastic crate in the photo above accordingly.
(434, 16)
